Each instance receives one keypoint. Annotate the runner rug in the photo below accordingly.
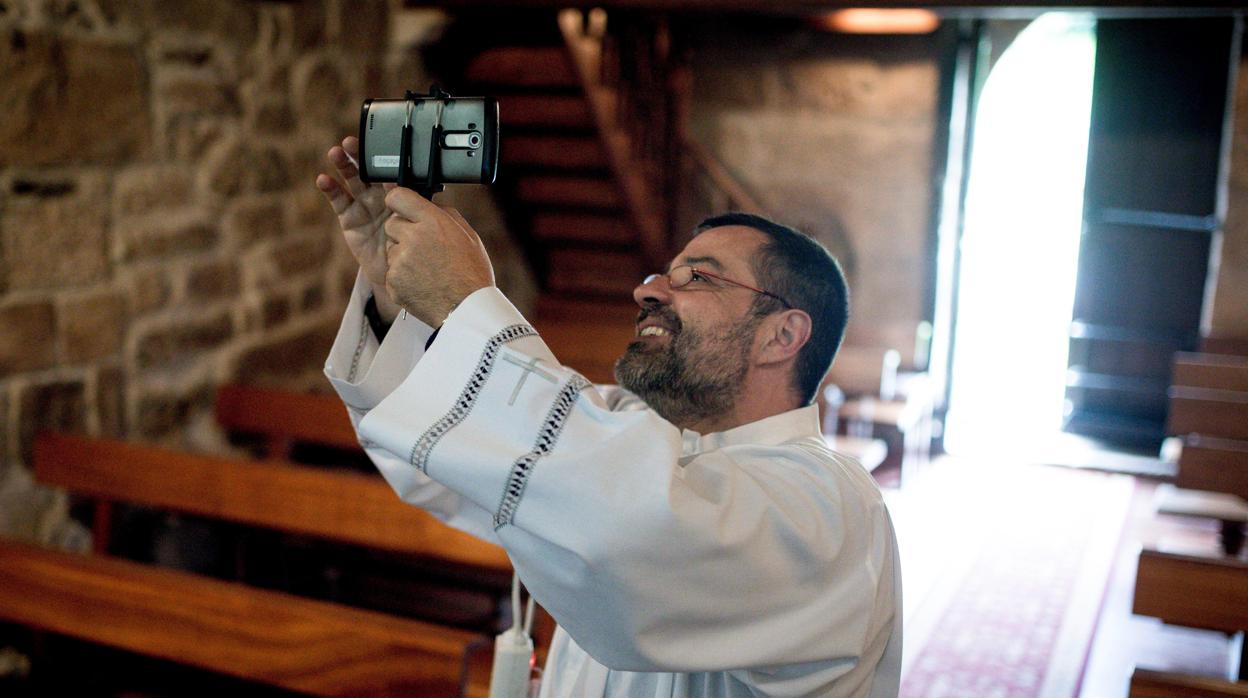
(1005, 569)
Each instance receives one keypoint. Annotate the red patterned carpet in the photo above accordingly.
(1005, 570)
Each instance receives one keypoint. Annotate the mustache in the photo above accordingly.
(664, 313)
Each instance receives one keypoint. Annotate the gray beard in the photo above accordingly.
(694, 377)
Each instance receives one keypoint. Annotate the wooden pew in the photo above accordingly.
(1209, 410)
(284, 418)
(1214, 465)
(117, 603)
(267, 637)
(1194, 591)
(1146, 683)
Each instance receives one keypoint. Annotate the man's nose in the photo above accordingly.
(653, 291)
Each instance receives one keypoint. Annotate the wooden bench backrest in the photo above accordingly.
(1146, 683)
(1214, 465)
(285, 417)
(338, 506)
(1218, 371)
(1195, 592)
(1208, 411)
(297, 644)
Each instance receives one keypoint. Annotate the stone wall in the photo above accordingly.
(159, 226)
(834, 134)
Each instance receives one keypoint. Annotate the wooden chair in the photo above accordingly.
(263, 636)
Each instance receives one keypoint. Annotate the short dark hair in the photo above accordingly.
(799, 269)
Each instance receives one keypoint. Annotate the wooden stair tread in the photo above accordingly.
(271, 637)
(562, 152)
(554, 308)
(564, 226)
(525, 66)
(552, 111)
(601, 271)
(588, 192)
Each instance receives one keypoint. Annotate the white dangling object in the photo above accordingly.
(513, 651)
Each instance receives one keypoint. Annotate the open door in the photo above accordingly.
(1151, 212)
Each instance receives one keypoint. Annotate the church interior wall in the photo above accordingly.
(835, 135)
(160, 231)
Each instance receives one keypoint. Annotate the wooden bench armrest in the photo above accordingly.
(339, 506)
(265, 636)
(1146, 683)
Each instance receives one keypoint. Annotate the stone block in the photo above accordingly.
(286, 359)
(52, 106)
(362, 26)
(174, 342)
(313, 298)
(199, 93)
(54, 406)
(273, 117)
(162, 411)
(54, 231)
(323, 95)
(253, 219)
(6, 458)
(211, 280)
(92, 326)
(148, 188)
(298, 256)
(233, 167)
(110, 401)
(158, 236)
(149, 288)
(307, 208)
(188, 137)
(26, 344)
(275, 311)
(235, 22)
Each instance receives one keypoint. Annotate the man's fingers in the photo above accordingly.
(345, 164)
(338, 197)
(409, 204)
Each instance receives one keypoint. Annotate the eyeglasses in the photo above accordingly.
(684, 275)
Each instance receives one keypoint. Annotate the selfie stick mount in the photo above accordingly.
(430, 184)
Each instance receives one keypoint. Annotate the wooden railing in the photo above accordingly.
(639, 85)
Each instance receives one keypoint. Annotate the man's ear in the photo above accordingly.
(784, 335)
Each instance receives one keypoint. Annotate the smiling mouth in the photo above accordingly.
(654, 331)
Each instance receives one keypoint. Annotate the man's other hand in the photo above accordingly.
(362, 214)
(435, 258)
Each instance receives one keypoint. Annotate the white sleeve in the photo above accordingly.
(652, 562)
(363, 372)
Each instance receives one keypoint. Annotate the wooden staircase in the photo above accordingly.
(593, 167)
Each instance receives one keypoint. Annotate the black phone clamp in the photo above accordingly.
(430, 184)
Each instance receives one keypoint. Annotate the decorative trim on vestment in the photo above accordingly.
(365, 331)
(546, 438)
(419, 456)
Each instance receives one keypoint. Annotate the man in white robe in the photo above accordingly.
(692, 536)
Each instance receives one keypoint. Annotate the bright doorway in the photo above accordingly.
(1020, 239)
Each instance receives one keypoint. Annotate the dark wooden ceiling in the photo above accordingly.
(958, 8)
